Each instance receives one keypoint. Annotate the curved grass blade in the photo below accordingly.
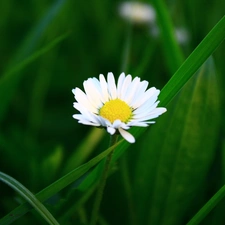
(56, 187)
(29, 197)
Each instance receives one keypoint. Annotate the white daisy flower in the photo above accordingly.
(117, 107)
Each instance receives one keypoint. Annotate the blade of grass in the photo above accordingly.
(171, 48)
(183, 166)
(201, 53)
(18, 67)
(208, 207)
(68, 210)
(36, 33)
(84, 150)
(24, 56)
(56, 186)
(10, 79)
(29, 197)
(208, 45)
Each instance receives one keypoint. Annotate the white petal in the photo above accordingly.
(111, 130)
(145, 109)
(124, 126)
(154, 114)
(112, 86)
(83, 120)
(126, 135)
(80, 108)
(76, 106)
(160, 110)
(92, 117)
(82, 99)
(74, 91)
(93, 91)
(139, 92)
(104, 88)
(125, 86)
(120, 85)
(147, 95)
(117, 123)
(83, 110)
(131, 90)
(140, 123)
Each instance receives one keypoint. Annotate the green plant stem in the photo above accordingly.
(102, 183)
(128, 191)
(203, 212)
(29, 197)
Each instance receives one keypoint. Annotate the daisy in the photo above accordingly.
(117, 107)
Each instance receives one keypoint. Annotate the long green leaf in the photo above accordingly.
(84, 150)
(208, 45)
(173, 168)
(204, 211)
(56, 186)
(201, 53)
(197, 143)
(29, 197)
(172, 51)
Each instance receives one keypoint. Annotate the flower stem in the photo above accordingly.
(102, 182)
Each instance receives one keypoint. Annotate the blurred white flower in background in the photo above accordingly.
(182, 35)
(137, 12)
(144, 14)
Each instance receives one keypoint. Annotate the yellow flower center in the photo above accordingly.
(116, 110)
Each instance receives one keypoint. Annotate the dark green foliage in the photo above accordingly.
(49, 47)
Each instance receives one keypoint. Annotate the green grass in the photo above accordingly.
(176, 165)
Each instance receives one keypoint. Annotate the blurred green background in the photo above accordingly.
(47, 48)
